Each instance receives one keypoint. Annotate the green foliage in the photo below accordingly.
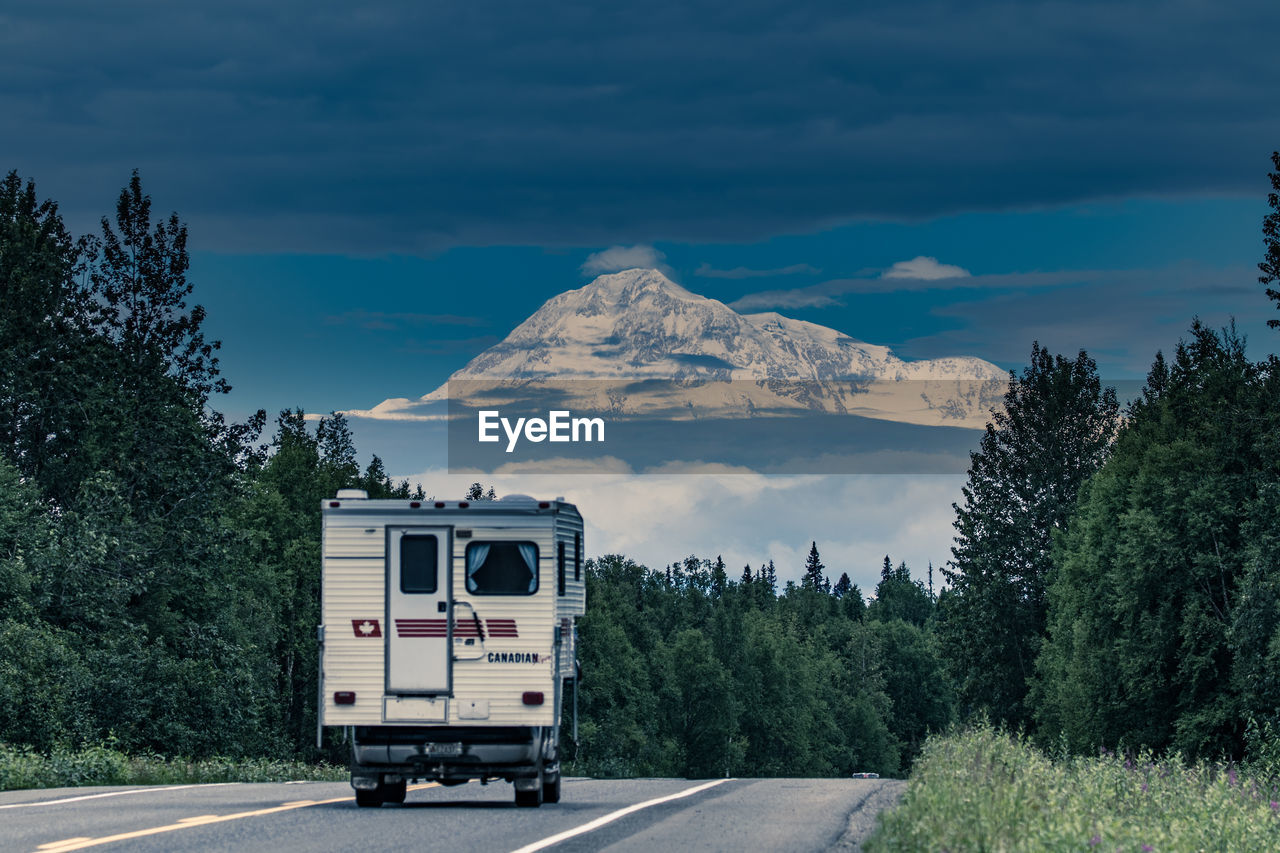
(900, 597)
(1165, 618)
(922, 696)
(983, 789)
(1270, 266)
(1053, 433)
(22, 767)
(690, 673)
(159, 574)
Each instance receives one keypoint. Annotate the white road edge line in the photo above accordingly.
(612, 816)
(113, 794)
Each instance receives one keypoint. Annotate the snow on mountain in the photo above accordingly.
(639, 325)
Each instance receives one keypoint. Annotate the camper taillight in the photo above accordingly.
(532, 697)
(344, 697)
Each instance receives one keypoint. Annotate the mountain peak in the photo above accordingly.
(639, 324)
(627, 285)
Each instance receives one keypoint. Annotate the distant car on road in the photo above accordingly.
(866, 775)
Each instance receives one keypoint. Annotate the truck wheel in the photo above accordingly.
(369, 799)
(530, 799)
(395, 792)
(551, 789)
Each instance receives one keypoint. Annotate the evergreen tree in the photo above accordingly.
(1053, 432)
(1270, 266)
(477, 493)
(898, 597)
(719, 578)
(813, 567)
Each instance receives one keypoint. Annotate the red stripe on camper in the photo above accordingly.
(502, 628)
(421, 628)
(505, 629)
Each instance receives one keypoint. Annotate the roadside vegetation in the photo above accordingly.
(99, 765)
(984, 789)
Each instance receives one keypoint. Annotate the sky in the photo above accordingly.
(377, 192)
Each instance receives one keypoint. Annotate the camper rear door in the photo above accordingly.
(419, 641)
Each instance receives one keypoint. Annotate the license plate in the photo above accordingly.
(444, 749)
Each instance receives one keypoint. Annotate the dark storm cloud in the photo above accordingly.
(413, 127)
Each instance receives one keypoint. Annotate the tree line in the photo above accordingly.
(688, 671)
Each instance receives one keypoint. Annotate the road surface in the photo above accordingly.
(594, 814)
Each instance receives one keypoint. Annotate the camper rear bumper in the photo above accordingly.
(449, 752)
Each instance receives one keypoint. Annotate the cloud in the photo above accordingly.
(747, 518)
(829, 292)
(707, 271)
(801, 298)
(924, 268)
(617, 258)
(407, 127)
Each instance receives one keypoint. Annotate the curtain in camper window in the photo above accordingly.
(502, 568)
(476, 554)
(529, 552)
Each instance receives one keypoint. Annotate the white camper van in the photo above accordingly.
(447, 639)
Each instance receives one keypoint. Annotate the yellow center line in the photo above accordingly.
(82, 842)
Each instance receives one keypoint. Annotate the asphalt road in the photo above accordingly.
(624, 815)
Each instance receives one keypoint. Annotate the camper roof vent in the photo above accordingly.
(352, 494)
(524, 499)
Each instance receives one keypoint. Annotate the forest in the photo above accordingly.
(1114, 582)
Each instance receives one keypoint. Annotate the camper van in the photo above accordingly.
(447, 639)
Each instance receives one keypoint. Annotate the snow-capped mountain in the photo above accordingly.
(705, 359)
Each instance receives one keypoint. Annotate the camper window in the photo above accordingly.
(502, 568)
(560, 567)
(418, 564)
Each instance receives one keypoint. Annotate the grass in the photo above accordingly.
(101, 765)
(985, 790)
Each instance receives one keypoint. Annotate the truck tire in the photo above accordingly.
(529, 799)
(551, 789)
(369, 799)
(395, 792)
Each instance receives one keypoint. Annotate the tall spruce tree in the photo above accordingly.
(813, 567)
(1053, 432)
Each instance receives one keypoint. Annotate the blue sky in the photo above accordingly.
(378, 191)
